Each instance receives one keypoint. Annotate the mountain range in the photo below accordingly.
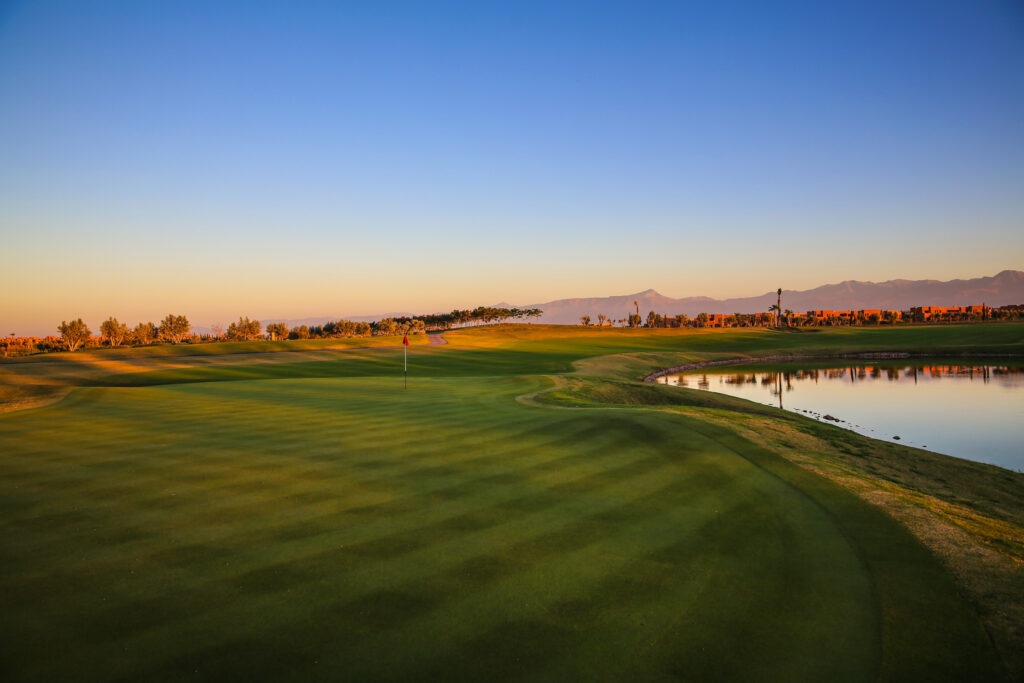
(1005, 288)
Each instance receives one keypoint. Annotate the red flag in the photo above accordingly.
(405, 340)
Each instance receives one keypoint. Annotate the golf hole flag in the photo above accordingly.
(405, 360)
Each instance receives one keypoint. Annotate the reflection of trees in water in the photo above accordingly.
(982, 372)
(774, 381)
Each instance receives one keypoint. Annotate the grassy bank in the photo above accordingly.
(515, 350)
(174, 519)
(213, 349)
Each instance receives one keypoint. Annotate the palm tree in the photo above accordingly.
(585, 319)
(601, 318)
(774, 310)
(778, 305)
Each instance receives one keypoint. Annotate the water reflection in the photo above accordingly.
(853, 373)
(969, 410)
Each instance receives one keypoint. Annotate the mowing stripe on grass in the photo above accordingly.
(311, 528)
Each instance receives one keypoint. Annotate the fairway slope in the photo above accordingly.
(175, 523)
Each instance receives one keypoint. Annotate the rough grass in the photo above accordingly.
(166, 521)
(25, 396)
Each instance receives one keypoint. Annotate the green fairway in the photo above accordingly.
(179, 520)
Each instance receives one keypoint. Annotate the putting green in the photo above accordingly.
(322, 523)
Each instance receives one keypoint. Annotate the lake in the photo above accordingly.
(970, 410)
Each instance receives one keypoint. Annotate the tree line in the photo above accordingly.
(76, 334)
(787, 318)
(176, 329)
(482, 315)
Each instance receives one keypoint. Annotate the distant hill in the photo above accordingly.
(1005, 288)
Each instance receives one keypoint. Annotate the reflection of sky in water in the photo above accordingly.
(970, 411)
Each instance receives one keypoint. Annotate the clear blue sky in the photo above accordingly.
(294, 159)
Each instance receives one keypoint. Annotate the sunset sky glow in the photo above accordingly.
(284, 160)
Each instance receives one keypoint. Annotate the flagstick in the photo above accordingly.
(405, 370)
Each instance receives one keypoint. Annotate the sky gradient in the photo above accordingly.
(285, 160)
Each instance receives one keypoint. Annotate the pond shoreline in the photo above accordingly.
(786, 357)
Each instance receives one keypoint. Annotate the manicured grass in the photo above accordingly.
(176, 523)
(527, 349)
(214, 349)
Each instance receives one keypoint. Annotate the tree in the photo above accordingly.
(144, 333)
(789, 315)
(702, 320)
(387, 327)
(585, 320)
(113, 331)
(174, 327)
(778, 306)
(277, 331)
(300, 332)
(244, 329)
(776, 313)
(74, 333)
(634, 320)
(601, 319)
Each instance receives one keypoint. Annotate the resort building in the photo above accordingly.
(717, 319)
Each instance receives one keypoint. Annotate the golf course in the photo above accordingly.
(528, 508)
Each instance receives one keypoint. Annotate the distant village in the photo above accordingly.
(819, 318)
